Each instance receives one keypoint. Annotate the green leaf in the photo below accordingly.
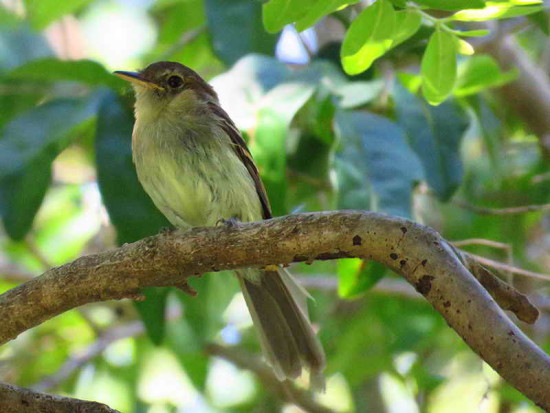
(51, 69)
(354, 94)
(268, 149)
(495, 10)
(479, 73)
(435, 134)
(287, 98)
(13, 102)
(356, 276)
(438, 67)
(131, 211)
(369, 37)
(236, 29)
(452, 4)
(407, 23)
(241, 88)
(374, 153)
(471, 33)
(28, 146)
(542, 21)
(20, 45)
(278, 13)
(463, 47)
(22, 193)
(320, 9)
(204, 313)
(43, 12)
(152, 312)
(40, 130)
(203, 322)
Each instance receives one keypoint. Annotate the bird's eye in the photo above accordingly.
(175, 82)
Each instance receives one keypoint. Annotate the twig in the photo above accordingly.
(418, 253)
(36, 253)
(93, 350)
(13, 274)
(108, 337)
(285, 390)
(505, 295)
(392, 286)
(505, 267)
(503, 211)
(482, 241)
(493, 244)
(14, 399)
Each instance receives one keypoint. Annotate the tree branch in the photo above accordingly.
(529, 94)
(416, 252)
(20, 400)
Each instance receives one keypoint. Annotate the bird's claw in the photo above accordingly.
(229, 223)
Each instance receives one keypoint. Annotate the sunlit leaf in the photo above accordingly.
(277, 14)
(464, 48)
(268, 149)
(369, 37)
(356, 94)
(495, 10)
(471, 33)
(52, 69)
(452, 4)
(241, 88)
(43, 12)
(407, 23)
(438, 67)
(356, 276)
(481, 72)
(319, 9)
(435, 134)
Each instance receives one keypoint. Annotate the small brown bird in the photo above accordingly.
(193, 162)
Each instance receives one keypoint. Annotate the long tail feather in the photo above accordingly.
(277, 305)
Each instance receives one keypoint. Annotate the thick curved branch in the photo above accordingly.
(20, 400)
(416, 252)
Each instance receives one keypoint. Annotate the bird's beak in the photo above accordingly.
(137, 79)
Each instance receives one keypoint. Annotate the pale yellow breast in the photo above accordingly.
(192, 173)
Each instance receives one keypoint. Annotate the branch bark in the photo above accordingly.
(416, 252)
(15, 399)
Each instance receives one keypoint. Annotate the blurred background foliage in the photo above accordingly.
(372, 105)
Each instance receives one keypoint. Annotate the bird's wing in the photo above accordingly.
(239, 145)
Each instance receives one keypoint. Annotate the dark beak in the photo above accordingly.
(137, 79)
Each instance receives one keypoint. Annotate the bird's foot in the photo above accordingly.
(229, 223)
(166, 230)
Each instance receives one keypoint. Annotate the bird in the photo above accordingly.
(193, 162)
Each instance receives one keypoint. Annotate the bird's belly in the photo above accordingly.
(199, 187)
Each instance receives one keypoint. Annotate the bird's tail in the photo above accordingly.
(278, 308)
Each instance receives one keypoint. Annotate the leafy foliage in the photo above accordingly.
(395, 112)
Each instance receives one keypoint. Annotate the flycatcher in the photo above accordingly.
(194, 164)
